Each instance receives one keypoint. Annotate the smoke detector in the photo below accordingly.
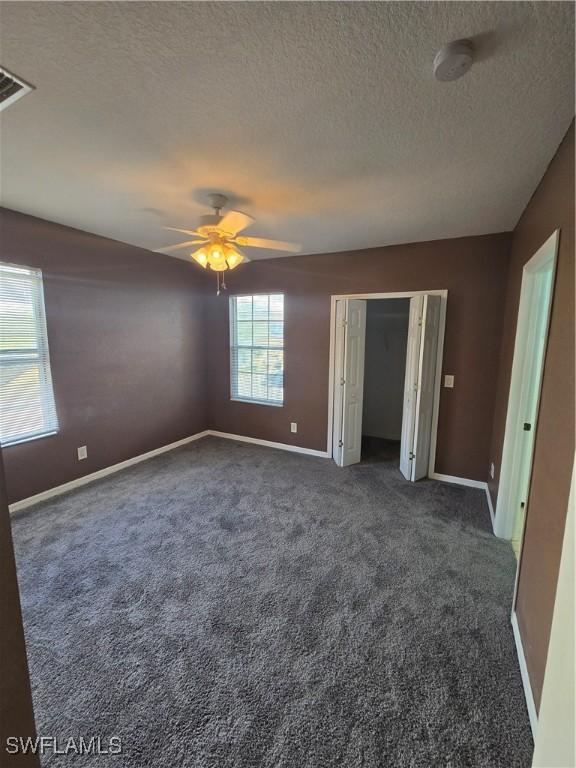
(453, 60)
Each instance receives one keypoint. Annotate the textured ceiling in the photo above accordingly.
(322, 120)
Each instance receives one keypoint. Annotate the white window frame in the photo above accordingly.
(41, 353)
(233, 346)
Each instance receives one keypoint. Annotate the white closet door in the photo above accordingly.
(352, 382)
(426, 381)
(532, 372)
(338, 381)
(411, 385)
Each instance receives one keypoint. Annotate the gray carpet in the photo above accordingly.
(231, 605)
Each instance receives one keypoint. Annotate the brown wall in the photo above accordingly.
(16, 712)
(473, 269)
(125, 331)
(551, 207)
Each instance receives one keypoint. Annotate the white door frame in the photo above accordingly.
(439, 354)
(506, 506)
(555, 742)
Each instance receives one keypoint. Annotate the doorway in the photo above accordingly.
(386, 361)
(524, 398)
(384, 371)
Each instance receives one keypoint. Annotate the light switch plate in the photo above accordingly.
(82, 452)
(293, 426)
(449, 381)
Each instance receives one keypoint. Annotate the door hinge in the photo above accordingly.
(411, 455)
(340, 443)
(522, 504)
(342, 382)
(527, 427)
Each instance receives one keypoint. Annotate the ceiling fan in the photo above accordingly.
(218, 237)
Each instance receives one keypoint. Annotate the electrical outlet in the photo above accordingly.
(82, 452)
(293, 426)
(492, 470)
(449, 382)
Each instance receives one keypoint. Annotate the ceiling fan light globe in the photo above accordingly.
(233, 261)
(200, 257)
(233, 257)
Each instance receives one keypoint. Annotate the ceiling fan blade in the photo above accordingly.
(273, 245)
(234, 222)
(177, 247)
(185, 231)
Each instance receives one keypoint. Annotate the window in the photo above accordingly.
(26, 399)
(257, 348)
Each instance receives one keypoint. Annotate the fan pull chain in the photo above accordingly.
(220, 283)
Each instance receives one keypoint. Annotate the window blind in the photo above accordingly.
(257, 348)
(27, 407)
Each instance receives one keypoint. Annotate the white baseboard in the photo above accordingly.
(59, 489)
(269, 444)
(80, 481)
(490, 507)
(458, 480)
(471, 484)
(525, 677)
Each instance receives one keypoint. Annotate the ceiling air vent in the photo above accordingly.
(11, 88)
